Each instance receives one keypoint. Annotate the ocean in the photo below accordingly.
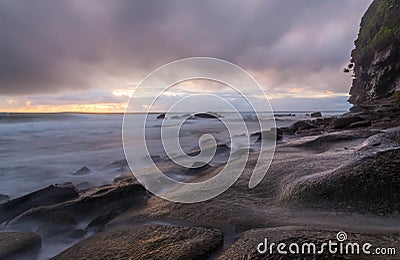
(37, 150)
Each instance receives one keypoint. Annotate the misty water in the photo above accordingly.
(37, 150)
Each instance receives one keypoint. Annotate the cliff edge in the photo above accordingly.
(376, 57)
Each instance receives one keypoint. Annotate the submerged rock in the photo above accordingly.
(147, 242)
(18, 245)
(161, 116)
(3, 198)
(209, 115)
(51, 195)
(316, 114)
(82, 171)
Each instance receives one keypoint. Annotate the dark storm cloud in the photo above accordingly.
(64, 46)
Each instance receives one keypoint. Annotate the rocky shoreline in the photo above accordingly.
(323, 179)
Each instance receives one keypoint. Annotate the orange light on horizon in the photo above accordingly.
(78, 108)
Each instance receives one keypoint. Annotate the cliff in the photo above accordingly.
(376, 57)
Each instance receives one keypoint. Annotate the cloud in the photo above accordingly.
(69, 46)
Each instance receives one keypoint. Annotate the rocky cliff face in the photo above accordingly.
(376, 57)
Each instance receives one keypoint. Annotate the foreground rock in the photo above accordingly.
(17, 245)
(147, 242)
(96, 206)
(343, 122)
(370, 184)
(47, 196)
(246, 246)
(272, 134)
(4, 198)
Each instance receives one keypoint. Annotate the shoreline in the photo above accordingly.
(286, 197)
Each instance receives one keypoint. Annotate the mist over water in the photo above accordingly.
(37, 150)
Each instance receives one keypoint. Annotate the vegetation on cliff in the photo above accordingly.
(380, 27)
(376, 57)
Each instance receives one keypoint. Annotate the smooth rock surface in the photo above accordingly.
(47, 196)
(343, 122)
(18, 245)
(147, 242)
(370, 184)
(4, 198)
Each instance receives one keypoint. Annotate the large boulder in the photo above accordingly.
(316, 114)
(147, 242)
(94, 204)
(343, 122)
(364, 123)
(272, 134)
(370, 184)
(47, 196)
(303, 125)
(18, 245)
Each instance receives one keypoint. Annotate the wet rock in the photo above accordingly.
(284, 115)
(148, 242)
(387, 139)
(369, 184)
(57, 226)
(197, 168)
(364, 123)
(303, 125)
(316, 114)
(84, 185)
(299, 126)
(209, 115)
(343, 122)
(356, 109)
(88, 206)
(119, 164)
(273, 134)
(221, 148)
(47, 196)
(4, 198)
(125, 178)
(246, 246)
(322, 121)
(99, 222)
(82, 171)
(329, 141)
(18, 245)
(161, 116)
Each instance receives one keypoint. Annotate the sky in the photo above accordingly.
(89, 56)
